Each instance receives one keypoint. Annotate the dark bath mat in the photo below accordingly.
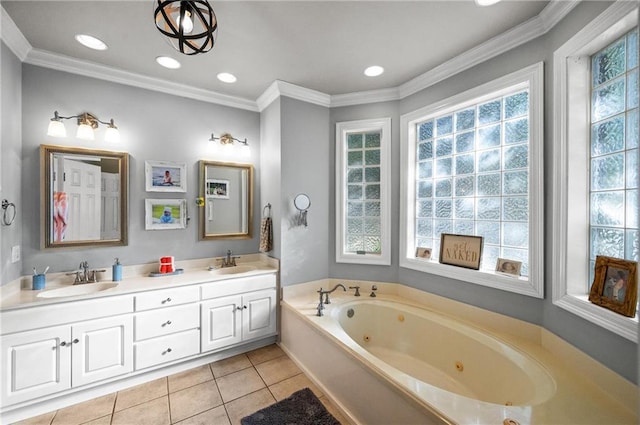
(300, 408)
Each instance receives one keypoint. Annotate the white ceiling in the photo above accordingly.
(319, 45)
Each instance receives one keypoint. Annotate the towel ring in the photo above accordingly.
(267, 207)
(5, 206)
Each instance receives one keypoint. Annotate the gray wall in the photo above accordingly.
(270, 166)
(153, 126)
(11, 158)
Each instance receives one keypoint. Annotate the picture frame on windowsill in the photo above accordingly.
(615, 285)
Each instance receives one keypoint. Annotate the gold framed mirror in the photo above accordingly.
(227, 191)
(83, 197)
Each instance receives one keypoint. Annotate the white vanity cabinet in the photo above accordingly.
(237, 311)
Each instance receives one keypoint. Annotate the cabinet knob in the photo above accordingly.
(168, 300)
(63, 344)
(75, 341)
(168, 322)
(244, 306)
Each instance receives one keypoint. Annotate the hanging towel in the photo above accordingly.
(266, 235)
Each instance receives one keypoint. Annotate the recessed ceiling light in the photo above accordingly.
(486, 2)
(373, 71)
(168, 62)
(225, 77)
(91, 42)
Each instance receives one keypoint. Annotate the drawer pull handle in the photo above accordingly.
(168, 350)
(168, 322)
(168, 300)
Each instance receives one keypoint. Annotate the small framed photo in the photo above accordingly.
(165, 214)
(424, 253)
(615, 285)
(165, 176)
(217, 189)
(461, 250)
(510, 267)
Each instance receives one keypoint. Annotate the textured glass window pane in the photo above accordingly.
(608, 100)
(372, 209)
(354, 209)
(443, 167)
(632, 209)
(516, 182)
(609, 63)
(632, 245)
(632, 50)
(463, 227)
(355, 243)
(442, 226)
(425, 150)
(516, 157)
(489, 230)
(607, 208)
(424, 228)
(354, 158)
(490, 256)
(465, 119)
(425, 131)
(425, 189)
(489, 184)
(354, 226)
(443, 208)
(465, 141)
(444, 125)
(516, 105)
(488, 209)
(372, 157)
(465, 164)
(608, 242)
(372, 140)
(425, 209)
(372, 226)
(607, 136)
(607, 172)
(443, 188)
(464, 185)
(515, 208)
(515, 234)
(516, 131)
(354, 191)
(444, 146)
(632, 89)
(489, 136)
(372, 244)
(489, 160)
(632, 129)
(464, 208)
(354, 175)
(372, 191)
(632, 168)
(372, 174)
(354, 141)
(489, 112)
(425, 170)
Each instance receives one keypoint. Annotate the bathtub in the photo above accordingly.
(396, 359)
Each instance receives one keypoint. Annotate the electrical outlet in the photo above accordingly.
(15, 254)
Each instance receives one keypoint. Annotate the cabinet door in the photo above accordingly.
(221, 322)
(259, 314)
(102, 349)
(35, 364)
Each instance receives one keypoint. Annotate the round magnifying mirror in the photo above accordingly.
(302, 202)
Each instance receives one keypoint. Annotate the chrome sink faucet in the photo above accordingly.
(84, 275)
(229, 260)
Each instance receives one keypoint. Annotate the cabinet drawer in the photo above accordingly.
(166, 321)
(224, 288)
(167, 348)
(167, 298)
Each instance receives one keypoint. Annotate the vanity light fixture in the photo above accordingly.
(87, 123)
(190, 26)
(226, 143)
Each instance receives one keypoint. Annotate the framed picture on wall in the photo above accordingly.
(217, 189)
(615, 285)
(165, 214)
(165, 176)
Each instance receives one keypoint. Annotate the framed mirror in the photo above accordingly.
(227, 191)
(83, 197)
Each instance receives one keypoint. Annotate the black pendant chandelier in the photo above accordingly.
(191, 26)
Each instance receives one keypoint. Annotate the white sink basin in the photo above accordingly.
(83, 289)
(233, 270)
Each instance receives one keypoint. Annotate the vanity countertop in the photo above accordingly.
(18, 294)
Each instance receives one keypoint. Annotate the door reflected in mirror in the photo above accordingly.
(227, 190)
(84, 197)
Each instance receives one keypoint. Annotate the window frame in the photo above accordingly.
(342, 130)
(533, 285)
(571, 105)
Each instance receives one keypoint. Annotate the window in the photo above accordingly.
(474, 167)
(362, 191)
(595, 169)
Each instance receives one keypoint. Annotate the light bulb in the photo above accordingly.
(186, 24)
(112, 135)
(56, 128)
(85, 132)
(245, 151)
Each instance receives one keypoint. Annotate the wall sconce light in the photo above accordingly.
(87, 123)
(191, 26)
(226, 143)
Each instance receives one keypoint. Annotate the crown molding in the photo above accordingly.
(282, 88)
(12, 36)
(370, 96)
(555, 12)
(268, 96)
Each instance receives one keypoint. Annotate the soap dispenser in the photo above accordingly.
(116, 271)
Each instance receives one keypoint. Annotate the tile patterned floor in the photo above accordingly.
(219, 393)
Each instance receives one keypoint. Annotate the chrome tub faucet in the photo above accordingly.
(326, 299)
